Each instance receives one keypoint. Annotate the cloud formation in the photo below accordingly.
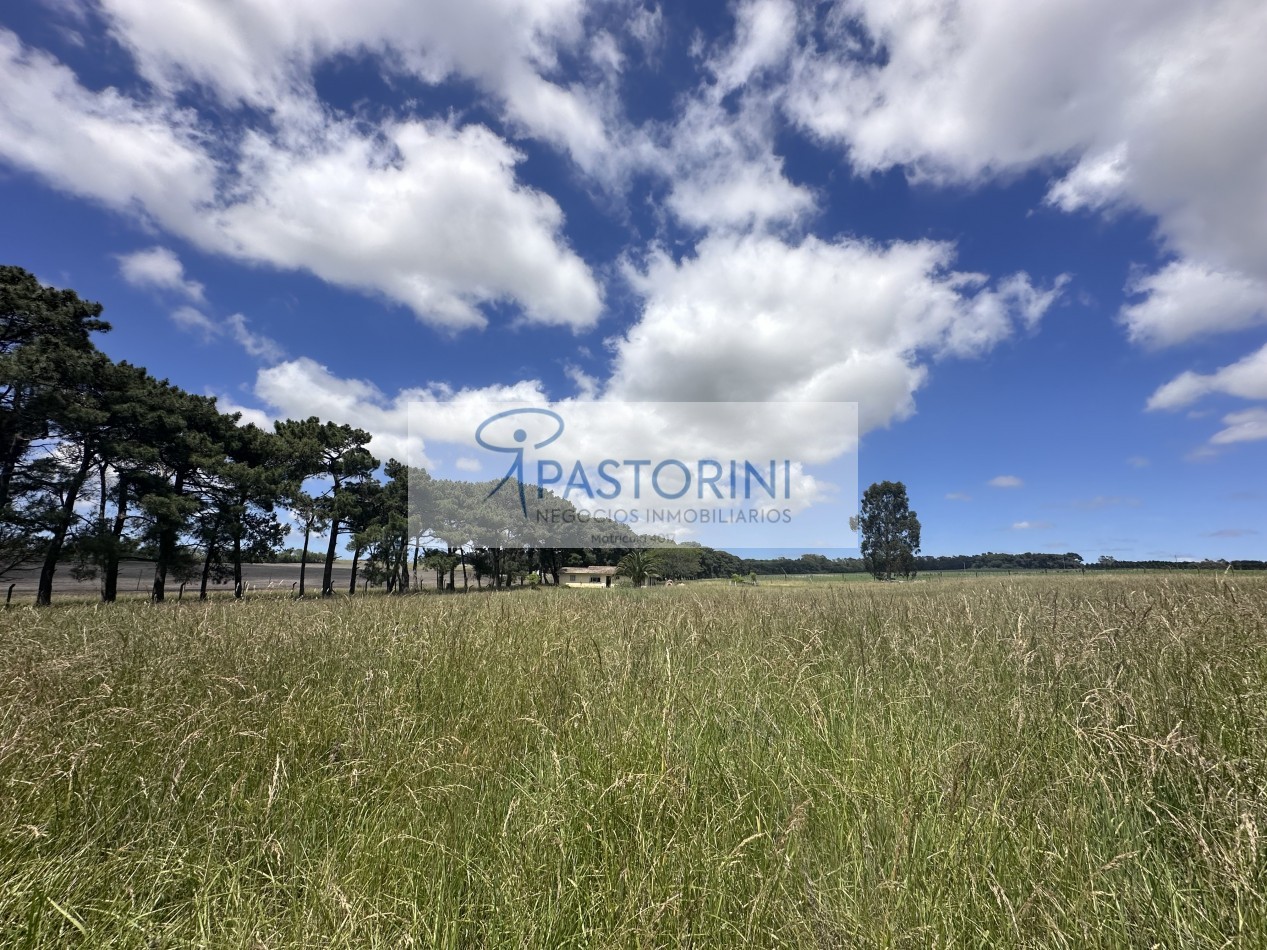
(1245, 379)
(225, 142)
(193, 320)
(755, 318)
(1155, 106)
(426, 213)
(1186, 300)
(235, 327)
(159, 267)
(719, 159)
(1249, 425)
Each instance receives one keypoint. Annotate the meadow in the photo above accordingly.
(995, 762)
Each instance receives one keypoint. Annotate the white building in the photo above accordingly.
(589, 577)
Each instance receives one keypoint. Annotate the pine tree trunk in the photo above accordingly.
(303, 559)
(166, 550)
(158, 590)
(327, 579)
(206, 573)
(356, 559)
(403, 563)
(110, 584)
(44, 594)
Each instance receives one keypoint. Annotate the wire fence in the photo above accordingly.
(136, 578)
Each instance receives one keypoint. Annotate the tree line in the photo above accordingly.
(101, 462)
(990, 561)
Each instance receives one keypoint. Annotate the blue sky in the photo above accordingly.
(1030, 242)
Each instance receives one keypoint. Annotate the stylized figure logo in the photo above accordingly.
(520, 436)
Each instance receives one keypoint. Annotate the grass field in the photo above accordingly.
(817, 580)
(1001, 762)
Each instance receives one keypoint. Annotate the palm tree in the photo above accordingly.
(639, 566)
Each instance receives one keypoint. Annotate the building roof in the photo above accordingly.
(588, 570)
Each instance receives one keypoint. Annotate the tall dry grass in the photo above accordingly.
(1036, 762)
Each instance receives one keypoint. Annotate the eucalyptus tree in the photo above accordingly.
(681, 562)
(890, 531)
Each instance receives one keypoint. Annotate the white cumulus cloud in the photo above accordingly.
(299, 388)
(1153, 105)
(718, 157)
(159, 267)
(255, 344)
(754, 318)
(264, 54)
(1245, 379)
(101, 145)
(1186, 299)
(1249, 425)
(428, 214)
(431, 215)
